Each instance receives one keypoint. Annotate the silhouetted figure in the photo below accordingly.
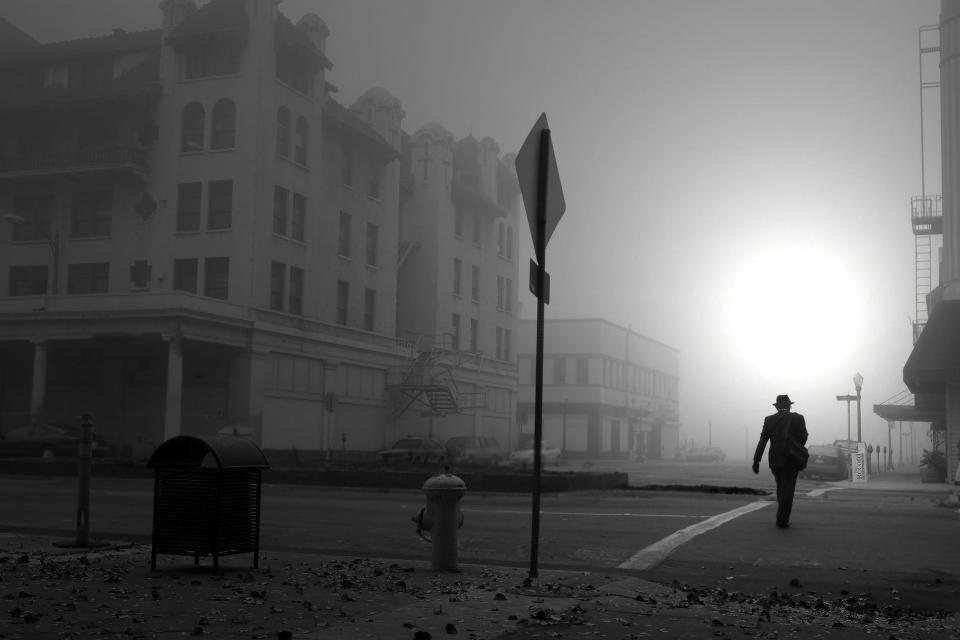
(779, 429)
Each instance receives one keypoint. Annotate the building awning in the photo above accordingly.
(935, 359)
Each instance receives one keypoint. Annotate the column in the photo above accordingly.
(173, 408)
(330, 439)
(952, 426)
(38, 389)
(247, 380)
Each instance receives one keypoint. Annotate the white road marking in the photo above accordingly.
(618, 514)
(658, 551)
(816, 493)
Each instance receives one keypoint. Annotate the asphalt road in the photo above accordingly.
(898, 546)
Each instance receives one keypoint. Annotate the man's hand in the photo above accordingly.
(756, 467)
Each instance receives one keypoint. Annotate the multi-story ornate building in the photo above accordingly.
(196, 234)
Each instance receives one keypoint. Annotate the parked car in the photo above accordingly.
(414, 452)
(829, 462)
(474, 449)
(847, 446)
(48, 441)
(524, 457)
(705, 454)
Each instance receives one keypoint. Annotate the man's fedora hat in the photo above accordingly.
(783, 401)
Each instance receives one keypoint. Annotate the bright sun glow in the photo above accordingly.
(792, 310)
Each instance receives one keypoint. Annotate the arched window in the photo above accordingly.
(509, 247)
(191, 127)
(283, 132)
(500, 232)
(301, 135)
(224, 133)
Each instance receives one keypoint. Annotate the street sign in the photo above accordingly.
(535, 283)
(528, 173)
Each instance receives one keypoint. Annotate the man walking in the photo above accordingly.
(779, 429)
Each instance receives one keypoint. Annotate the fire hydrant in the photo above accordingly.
(442, 517)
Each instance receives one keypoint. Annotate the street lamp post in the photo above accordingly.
(849, 398)
(858, 383)
(53, 242)
(563, 444)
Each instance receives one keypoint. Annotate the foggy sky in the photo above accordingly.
(692, 138)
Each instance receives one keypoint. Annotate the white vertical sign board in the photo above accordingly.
(859, 463)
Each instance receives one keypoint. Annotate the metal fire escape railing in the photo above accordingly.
(428, 383)
(926, 211)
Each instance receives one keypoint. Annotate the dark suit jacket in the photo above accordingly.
(777, 428)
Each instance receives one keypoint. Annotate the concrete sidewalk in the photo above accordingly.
(905, 478)
(53, 592)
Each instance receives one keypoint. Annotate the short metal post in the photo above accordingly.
(83, 494)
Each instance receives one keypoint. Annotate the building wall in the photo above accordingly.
(609, 385)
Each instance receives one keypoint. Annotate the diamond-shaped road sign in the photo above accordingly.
(528, 173)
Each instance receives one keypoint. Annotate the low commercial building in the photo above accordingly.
(608, 392)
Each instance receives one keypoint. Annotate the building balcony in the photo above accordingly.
(129, 160)
(926, 215)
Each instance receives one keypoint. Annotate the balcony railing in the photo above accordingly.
(74, 160)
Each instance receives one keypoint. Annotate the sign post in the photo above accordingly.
(543, 200)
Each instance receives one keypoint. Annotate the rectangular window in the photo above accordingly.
(185, 274)
(35, 218)
(91, 216)
(372, 239)
(457, 275)
(582, 371)
(346, 165)
(298, 218)
(476, 229)
(343, 296)
(506, 344)
(376, 171)
(91, 277)
(343, 239)
(216, 277)
(280, 197)
(475, 283)
(188, 206)
(220, 58)
(499, 343)
(455, 339)
(29, 280)
(220, 209)
(500, 292)
(369, 308)
(559, 371)
(508, 296)
(474, 335)
(278, 276)
(457, 222)
(296, 291)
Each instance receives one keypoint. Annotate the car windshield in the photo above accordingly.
(461, 441)
(408, 444)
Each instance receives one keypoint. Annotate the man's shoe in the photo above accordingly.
(783, 525)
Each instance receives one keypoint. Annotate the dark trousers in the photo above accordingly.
(786, 478)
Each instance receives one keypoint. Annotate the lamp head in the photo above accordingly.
(12, 218)
(858, 381)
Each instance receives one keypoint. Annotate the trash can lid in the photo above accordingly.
(444, 482)
(225, 452)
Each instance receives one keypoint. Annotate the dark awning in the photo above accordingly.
(935, 359)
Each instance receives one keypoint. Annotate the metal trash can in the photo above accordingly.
(206, 497)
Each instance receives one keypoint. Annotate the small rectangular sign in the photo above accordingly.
(858, 462)
(534, 272)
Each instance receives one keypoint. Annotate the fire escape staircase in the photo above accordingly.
(428, 384)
